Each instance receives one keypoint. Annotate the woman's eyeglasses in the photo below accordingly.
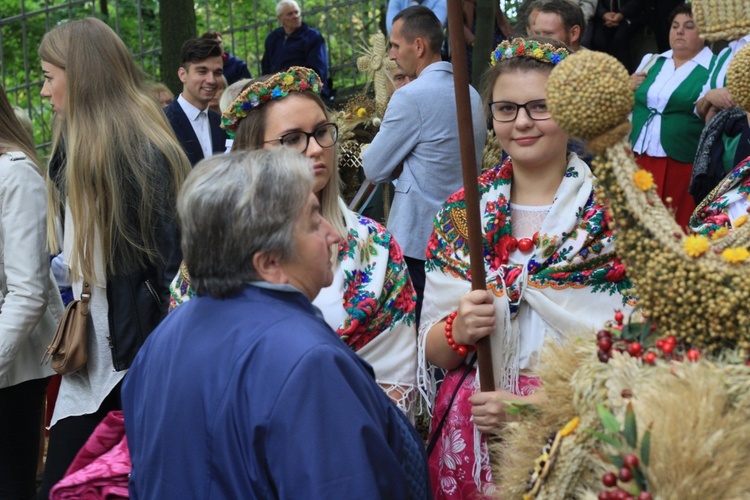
(325, 135)
(507, 111)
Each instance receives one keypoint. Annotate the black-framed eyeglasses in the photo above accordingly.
(507, 111)
(325, 135)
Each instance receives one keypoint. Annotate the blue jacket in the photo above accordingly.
(256, 397)
(305, 47)
(235, 69)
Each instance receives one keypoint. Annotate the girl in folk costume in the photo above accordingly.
(665, 128)
(370, 303)
(550, 265)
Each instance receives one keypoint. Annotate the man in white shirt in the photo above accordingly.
(197, 127)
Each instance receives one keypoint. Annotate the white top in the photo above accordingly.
(83, 392)
(665, 83)
(199, 121)
(525, 221)
(721, 71)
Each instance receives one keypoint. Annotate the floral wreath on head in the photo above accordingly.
(518, 47)
(278, 86)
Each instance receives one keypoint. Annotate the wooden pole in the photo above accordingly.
(469, 166)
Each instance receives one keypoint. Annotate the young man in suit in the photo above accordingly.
(196, 127)
(420, 131)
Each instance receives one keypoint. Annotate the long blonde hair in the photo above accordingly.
(123, 163)
(13, 135)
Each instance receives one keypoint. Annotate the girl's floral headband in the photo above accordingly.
(278, 86)
(518, 47)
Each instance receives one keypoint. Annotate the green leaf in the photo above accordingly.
(521, 408)
(609, 421)
(635, 331)
(645, 447)
(640, 479)
(631, 427)
(617, 460)
(605, 437)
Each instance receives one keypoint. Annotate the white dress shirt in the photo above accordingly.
(199, 121)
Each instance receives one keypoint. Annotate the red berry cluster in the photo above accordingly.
(608, 340)
(630, 463)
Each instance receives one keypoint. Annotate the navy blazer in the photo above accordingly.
(186, 135)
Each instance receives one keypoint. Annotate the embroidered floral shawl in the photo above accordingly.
(726, 205)
(573, 280)
(370, 303)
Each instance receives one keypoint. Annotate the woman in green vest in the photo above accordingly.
(665, 129)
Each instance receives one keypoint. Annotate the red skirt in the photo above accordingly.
(672, 180)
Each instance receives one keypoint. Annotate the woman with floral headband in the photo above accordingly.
(550, 265)
(370, 303)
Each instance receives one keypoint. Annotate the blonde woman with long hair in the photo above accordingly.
(114, 174)
(30, 306)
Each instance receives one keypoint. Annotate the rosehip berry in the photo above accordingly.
(605, 344)
(631, 461)
(603, 334)
(668, 348)
(693, 355)
(609, 479)
(619, 316)
(649, 357)
(660, 344)
(621, 495)
(644, 495)
(603, 356)
(625, 475)
(671, 340)
(635, 349)
(603, 495)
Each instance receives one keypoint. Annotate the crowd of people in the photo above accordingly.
(256, 337)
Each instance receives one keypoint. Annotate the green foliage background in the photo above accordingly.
(346, 24)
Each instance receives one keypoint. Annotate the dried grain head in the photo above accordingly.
(738, 78)
(589, 95)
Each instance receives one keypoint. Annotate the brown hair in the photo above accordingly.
(13, 135)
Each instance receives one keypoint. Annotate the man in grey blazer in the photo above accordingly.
(418, 140)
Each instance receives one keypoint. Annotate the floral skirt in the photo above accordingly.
(459, 463)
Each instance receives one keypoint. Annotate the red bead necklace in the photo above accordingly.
(524, 244)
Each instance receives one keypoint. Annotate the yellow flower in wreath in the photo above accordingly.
(735, 255)
(739, 221)
(720, 233)
(643, 179)
(361, 112)
(696, 245)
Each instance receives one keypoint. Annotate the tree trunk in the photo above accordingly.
(483, 36)
(177, 22)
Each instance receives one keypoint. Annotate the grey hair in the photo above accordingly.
(280, 6)
(231, 93)
(236, 205)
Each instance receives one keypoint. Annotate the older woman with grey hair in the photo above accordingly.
(370, 302)
(242, 391)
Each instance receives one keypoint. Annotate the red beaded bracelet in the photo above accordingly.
(460, 349)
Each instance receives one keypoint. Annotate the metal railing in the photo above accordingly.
(245, 24)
